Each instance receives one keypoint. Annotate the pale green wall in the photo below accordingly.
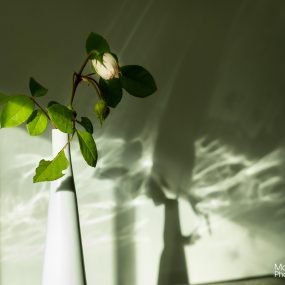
(219, 67)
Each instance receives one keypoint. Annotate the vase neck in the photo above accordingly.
(59, 139)
(65, 183)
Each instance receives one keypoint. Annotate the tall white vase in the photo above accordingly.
(63, 263)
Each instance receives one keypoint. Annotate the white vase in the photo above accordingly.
(63, 263)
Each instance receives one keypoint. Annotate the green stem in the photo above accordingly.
(70, 138)
(76, 79)
(90, 74)
(44, 111)
(84, 63)
(94, 83)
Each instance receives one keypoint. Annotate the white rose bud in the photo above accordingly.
(109, 69)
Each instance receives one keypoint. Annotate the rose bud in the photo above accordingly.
(109, 69)
(102, 111)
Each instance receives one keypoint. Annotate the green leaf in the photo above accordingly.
(49, 170)
(137, 81)
(37, 123)
(17, 110)
(52, 103)
(86, 124)
(97, 44)
(37, 90)
(87, 147)
(61, 117)
(111, 91)
(102, 111)
(4, 98)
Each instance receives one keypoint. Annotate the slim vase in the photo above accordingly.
(63, 262)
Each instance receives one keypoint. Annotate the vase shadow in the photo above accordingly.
(173, 266)
(67, 184)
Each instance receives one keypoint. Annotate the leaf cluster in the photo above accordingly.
(19, 108)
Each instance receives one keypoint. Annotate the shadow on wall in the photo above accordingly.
(228, 88)
(223, 81)
(180, 124)
(219, 85)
